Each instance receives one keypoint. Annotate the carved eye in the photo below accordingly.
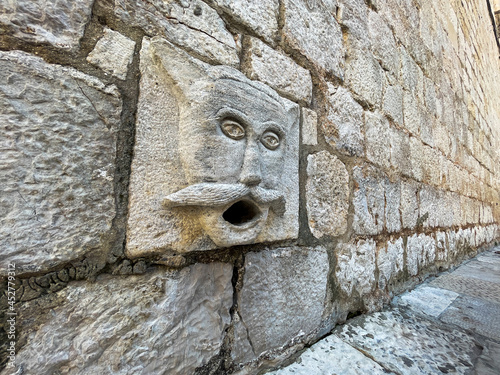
(270, 140)
(232, 129)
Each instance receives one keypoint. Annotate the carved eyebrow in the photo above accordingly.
(275, 127)
(233, 113)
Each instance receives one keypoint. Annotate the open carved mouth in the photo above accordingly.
(241, 213)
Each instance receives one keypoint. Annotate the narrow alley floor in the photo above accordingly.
(447, 325)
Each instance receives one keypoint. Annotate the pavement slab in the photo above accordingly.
(469, 286)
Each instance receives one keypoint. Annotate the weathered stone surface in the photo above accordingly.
(377, 135)
(130, 325)
(260, 16)
(191, 24)
(428, 300)
(58, 23)
(421, 252)
(113, 53)
(311, 29)
(392, 206)
(403, 344)
(355, 270)
(390, 262)
(393, 103)
(58, 153)
(368, 200)
(474, 314)
(327, 195)
(383, 43)
(332, 356)
(309, 127)
(409, 203)
(279, 284)
(343, 127)
(469, 286)
(489, 361)
(186, 178)
(277, 70)
(364, 77)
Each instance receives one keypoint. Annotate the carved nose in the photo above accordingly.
(250, 171)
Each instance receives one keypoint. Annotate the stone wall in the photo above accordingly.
(390, 172)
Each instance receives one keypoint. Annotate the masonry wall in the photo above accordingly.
(396, 177)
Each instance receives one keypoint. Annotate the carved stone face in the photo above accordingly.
(235, 135)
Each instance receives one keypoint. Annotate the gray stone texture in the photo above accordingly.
(162, 322)
(311, 29)
(113, 53)
(428, 300)
(368, 200)
(390, 262)
(191, 24)
(58, 162)
(332, 356)
(277, 285)
(170, 155)
(327, 195)
(277, 70)
(402, 344)
(355, 269)
(420, 253)
(258, 15)
(344, 123)
(58, 23)
(309, 127)
(377, 139)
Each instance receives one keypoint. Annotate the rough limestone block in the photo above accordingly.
(400, 151)
(279, 284)
(277, 70)
(417, 159)
(327, 195)
(392, 206)
(113, 53)
(368, 200)
(312, 29)
(393, 103)
(215, 158)
(309, 127)
(364, 76)
(412, 114)
(163, 322)
(409, 203)
(390, 262)
(57, 23)
(377, 138)
(191, 24)
(441, 246)
(383, 43)
(421, 252)
(353, 16)
(411, 76)
(260, 16)
(58, 153)
(343, 127)
(355, 270)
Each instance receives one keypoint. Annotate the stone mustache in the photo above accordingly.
(235, 139)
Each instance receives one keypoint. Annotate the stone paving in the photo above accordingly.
(448, 325)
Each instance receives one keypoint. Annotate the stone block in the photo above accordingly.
(392, 206)
(215, 159)
(279, 284)
(420, 253)
(353, 16)
(364, 76)
(58, 162)
(355, 269)
(191, 24)
(390, 262)
(383, 44)
(130, 325)
(368, 201)
(259, 16)
(277, 70)
(441, 247)
(409, 204)
(311, 29)
(392, 104)
(412, 114)
(417, 159)
(327, 195)
(428, 300)
(309, 127)
(411, 76)
(57, 23)
(113, 53)
(400, 151)
(377, 138)
(344, 123)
